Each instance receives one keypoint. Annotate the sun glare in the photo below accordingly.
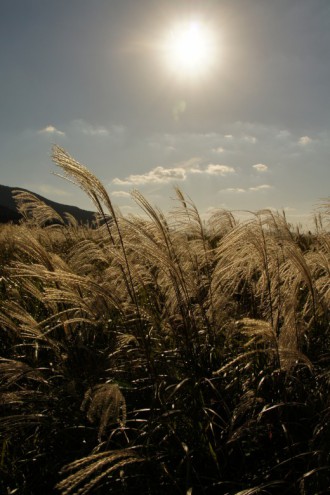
(190, 49)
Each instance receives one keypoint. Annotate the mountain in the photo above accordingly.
(9, 212)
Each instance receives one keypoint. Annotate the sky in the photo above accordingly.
(251, 130)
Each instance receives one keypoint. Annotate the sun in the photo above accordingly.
(190, 49)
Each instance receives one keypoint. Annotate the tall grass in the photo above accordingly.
(159, 353)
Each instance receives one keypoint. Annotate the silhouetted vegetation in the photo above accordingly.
(163, 354)
(9, 211)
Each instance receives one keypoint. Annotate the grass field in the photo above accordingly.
(161, 353)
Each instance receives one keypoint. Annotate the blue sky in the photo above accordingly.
(253, 132)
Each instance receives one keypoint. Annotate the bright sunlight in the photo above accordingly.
(190, 49)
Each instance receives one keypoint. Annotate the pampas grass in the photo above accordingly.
(160, 353)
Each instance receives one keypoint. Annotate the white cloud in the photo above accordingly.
(90, 130)
(218, 150)
(50, 129)
(304, 140)
(162, 175)
(242, 190)
(228, 136)
(260, 167)
(215, 169)
(196, 170)
(121, 194)
(157, 175)
(260, 188)
(250, 139)
(235, 190)
(191, 164)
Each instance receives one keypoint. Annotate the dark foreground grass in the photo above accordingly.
(163, 354)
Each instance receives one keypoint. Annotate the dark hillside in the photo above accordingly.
(9, 212)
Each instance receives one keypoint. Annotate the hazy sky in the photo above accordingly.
(251, 132)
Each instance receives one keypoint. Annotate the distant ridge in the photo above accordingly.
(9, 212)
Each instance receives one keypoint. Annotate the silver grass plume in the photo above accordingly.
(106, 404)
